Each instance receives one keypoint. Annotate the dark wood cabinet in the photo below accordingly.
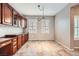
(5, 48)
(9, 16)
(19, 41)
(23, 23)
(9, 47)
(5, 51)
(15, 18)
(14, 45)
(24, 38)
(19, 21)
(6, 14)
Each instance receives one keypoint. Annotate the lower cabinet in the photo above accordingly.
(24, 38)
(27, 36)
(19, 41)
(6, 50)
(14, 45)
(9, 49)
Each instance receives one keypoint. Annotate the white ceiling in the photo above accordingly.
(51, 9)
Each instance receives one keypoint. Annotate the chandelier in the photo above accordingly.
(41, 8)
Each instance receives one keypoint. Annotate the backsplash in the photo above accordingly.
(4, 30)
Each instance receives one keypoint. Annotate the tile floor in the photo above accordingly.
(41, 48)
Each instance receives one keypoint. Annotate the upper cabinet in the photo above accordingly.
(19, 21)
(24, 23)
(7, 14)
(15, 18)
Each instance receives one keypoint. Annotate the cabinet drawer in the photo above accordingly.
(14, 43)
(14, 40)
(4, 44)
(14, 49)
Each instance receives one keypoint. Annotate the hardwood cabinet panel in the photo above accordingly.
(23, 23)
(7, 14)
(19, 21)
(19, 41)
(15, 18)
(5, 43)
(23, 39)
(6, 49)
(26, 37)
(14, 49)
(14, 45)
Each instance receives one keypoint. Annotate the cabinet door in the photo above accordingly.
(19, 41)
(23, 23)
(19, 21)
(23, 39)
(15, 18)
(7, 14)
(0, 12)
(26, 36)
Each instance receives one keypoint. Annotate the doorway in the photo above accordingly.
(74, 26)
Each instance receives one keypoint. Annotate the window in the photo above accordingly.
(76, 26)
(41, 26)
(32, 26)
(44, 26)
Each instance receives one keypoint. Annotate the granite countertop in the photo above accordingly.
(4, 39)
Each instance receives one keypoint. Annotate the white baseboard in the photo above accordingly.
(76, 47)
(64, 46)
(42, 39)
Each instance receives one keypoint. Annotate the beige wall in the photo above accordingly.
(62, 27)
(43, 36)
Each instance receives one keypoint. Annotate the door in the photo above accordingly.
(74, 15)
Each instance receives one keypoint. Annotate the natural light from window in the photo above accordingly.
(76, 27)
(41, 26)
